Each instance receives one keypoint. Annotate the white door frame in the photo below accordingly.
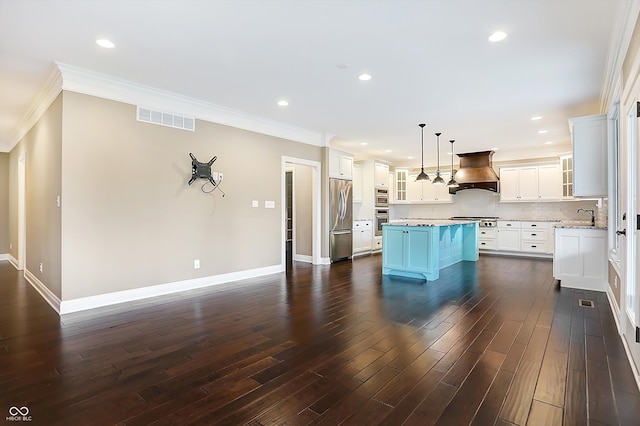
(293, 213)
(630, 290)
(22, 212)
(316, 215)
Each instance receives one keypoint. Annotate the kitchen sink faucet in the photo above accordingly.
(591, 212)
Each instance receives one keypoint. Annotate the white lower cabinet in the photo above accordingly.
(580, 258)
(487, 238)
(362, 236)
(508, 235)
(521, 236)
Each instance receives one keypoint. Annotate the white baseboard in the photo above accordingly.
(325, 261)
(303, 258)
(4, 256)
(84, 303)
(12, 260)
(616, 316)
(46, 294)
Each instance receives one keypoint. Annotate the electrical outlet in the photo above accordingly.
(41, 268)
(196, 264)
(255, 203)
(10, 246)
(615, 282)
(58, 201)
(214, 175)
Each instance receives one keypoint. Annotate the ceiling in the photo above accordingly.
(430, 62)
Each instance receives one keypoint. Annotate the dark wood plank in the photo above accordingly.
(575, 411)
(490, 407)
(432, 406)
(544, 414)
(551, 384)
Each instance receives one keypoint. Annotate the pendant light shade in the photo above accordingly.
(438, 179)
(422, 176)
(452, 182)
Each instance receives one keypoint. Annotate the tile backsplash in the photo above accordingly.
(477, 202)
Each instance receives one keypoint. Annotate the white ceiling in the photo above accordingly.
(430, 61)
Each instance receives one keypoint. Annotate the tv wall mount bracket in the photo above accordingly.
(201, 170)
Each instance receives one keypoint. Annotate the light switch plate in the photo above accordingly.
(255, 203)
(269, 204)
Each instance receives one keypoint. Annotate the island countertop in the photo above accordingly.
(428, 222)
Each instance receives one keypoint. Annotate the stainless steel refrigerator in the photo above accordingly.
(341, 219)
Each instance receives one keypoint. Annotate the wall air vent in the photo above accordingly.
(148, 115)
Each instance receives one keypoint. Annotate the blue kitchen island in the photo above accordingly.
(420, 248)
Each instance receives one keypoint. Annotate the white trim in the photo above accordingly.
(13, 261)
(316, 207)
(324, 261)
(4, 256)
(91, 83)
(616, 317)
(91, 302)
(45, 96)
(303, 258)
(46, 294)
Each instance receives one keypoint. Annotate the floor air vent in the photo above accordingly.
(165, 119)
(586, 303)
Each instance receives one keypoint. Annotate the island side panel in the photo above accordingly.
(470, 242)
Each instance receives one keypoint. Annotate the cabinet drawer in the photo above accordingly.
(534, 235)
(535, 247)
(535, 225)
(487, 244)
(487, 233)
(508, 224)
(363, 224)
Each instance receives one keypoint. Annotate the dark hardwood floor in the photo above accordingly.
(492, 342)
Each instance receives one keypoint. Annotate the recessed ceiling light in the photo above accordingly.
(388, 150)
(548, 142)
(107, 44)
(542, 132)
(282, 102)
(364, 77)
(363, 143)
(497, 36)
(537, 117)
(410, 158)
(495, 148)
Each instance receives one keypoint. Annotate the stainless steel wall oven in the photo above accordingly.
(382, 217)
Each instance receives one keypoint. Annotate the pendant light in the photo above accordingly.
(438, 179)
(422, 176)
(452, 182)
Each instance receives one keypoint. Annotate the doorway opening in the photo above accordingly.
(301, 240)
(22, 220)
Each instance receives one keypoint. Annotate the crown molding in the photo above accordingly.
(45, 96)
(623, 28)
(91, 83)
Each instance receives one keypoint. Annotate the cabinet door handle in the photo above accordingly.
(534, 246)
(508, 224)
(534, 225)
(534, 235)
(623, 232)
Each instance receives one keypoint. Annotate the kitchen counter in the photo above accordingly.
(428, 222)
(578, 225)
(420, 248)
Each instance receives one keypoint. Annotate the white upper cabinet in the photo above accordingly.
(426, 192)
(402, 175)
(550, 182)
(531, 183)
(519, 183)
(381, 175)
(357, 183)
(589, 137)
(340, 165)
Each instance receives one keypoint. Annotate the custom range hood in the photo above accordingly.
(476, 171)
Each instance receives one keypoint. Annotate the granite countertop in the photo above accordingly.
(578, 224)
(428, 222)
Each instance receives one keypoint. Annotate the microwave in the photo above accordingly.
(381, 197)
